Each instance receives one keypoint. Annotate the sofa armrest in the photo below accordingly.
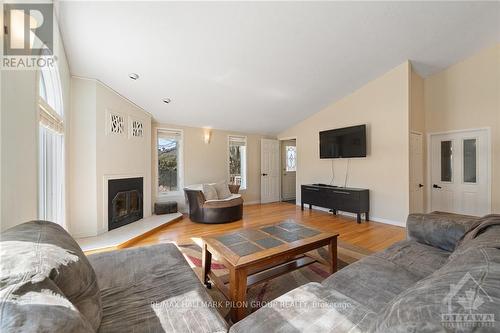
(437, 229)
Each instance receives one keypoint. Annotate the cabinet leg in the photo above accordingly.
(359, 217)
(367, 216)
(301, 206)
(310, 207)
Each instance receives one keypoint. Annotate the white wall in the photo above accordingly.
(19, 138)
(382, 104)
(82, 171)
(207, 163)
(120, 156)
(466, 96)
(96, 155)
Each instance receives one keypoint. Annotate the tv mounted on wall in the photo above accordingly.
(343, 142)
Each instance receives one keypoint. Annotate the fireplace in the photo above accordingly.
(125, 201)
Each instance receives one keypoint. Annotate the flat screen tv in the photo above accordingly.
(343, 142)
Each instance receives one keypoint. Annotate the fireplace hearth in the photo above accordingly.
(125, 201)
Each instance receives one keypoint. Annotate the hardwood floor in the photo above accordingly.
(372, 236)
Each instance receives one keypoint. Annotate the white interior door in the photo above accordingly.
(269, 170)
(416, 173)
(460, 164)
(288, 169)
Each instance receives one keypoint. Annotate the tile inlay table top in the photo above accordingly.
(253, 255)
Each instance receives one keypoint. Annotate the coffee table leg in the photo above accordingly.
(206, 263)
(238, 292)
(332, 249)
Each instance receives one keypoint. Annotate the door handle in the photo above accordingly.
(420, 185)
(264, 174)
(436, 186)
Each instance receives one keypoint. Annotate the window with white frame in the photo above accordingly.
(238, 160)
(169, 157)
(51, 147)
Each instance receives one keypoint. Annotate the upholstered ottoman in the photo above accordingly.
(168, 207)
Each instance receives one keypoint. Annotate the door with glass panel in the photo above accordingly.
(288, 169)
(460, 163)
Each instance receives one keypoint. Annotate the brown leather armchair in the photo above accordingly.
(213, 211)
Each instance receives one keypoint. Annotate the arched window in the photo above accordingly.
(51, 146)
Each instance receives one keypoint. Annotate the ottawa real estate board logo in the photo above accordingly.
(28, 41)
(465, 305)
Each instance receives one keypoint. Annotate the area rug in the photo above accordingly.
(258, 295)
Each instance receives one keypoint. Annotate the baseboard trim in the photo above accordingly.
(255, 202)
(372, 218)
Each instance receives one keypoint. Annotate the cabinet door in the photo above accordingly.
(311, 195)
(347, 200)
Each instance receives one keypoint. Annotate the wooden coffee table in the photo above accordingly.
(253, 255)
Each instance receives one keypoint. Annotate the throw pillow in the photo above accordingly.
(222, 190)
(210, 192)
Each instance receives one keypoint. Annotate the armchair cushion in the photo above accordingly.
(210, 192)
(222, 190)
(233, 200)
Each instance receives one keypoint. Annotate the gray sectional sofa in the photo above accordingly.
(47, 284)
(444, 278)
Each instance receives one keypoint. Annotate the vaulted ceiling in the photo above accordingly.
(262, 66)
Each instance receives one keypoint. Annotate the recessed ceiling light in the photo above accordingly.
(133, 76)
(166, 100)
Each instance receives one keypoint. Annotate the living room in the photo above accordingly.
(250, 166)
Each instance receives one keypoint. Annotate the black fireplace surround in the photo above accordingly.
(125, 201)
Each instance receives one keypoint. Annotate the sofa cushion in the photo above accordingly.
(152, 289)
(417, 258)
(464, 295)
(309, 308)
(222, 190)
(39, 307)
(210, 192)
(372, 281)
(34, 251)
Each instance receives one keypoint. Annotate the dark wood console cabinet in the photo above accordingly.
(353, 200)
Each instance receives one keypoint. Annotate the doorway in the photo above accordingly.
(288, 153)
(270, 170)
(416, 173)
(460, 179)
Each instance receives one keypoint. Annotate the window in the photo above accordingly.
(291, 158)
(238, 160)
(169, 150)
(470, 161)
(446, 161)
(51, 147)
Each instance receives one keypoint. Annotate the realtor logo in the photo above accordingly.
(28, 29)
(467, 296)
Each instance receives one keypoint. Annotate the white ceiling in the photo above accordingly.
(262, 67)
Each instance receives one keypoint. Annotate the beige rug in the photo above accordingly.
(259, 294)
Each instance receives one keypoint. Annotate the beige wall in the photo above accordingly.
(467, 96)
(82, 158)
(206, 163)
(97, 156)
(19, 138)
(417, 124)
(382, 104)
